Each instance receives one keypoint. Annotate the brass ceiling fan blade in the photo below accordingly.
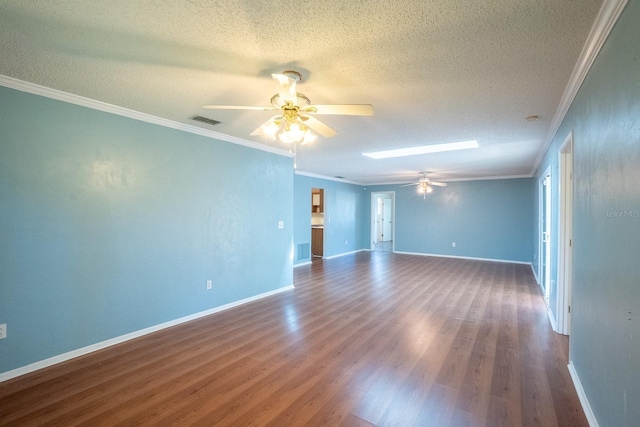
(236, 107)
(286, 88)
(317, 126)
(438, 184)
(343, 109)
(408, 185)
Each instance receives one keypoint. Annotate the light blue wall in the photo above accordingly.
(486, 219)
(345, 213)
(605, 119)
(110, 225)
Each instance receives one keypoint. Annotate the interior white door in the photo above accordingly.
(387, 218)
(545, 235)
(565, 237)
(379, 219)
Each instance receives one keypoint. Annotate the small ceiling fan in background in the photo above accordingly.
(425, 185)
(294, 121)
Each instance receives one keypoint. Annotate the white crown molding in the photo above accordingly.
(480, 178)
(70, 98)
(329, 178)
(487, 178)
(607, 17)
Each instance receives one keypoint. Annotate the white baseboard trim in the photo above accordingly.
(591, 418)
(4, 376)
(552, 320)
(535, 275)
(302, 263)
(465, 257)
(344, 254)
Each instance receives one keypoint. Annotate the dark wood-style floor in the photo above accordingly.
(367, 339)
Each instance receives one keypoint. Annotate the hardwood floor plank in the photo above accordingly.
(474, 394)
(465, 419)
(353, 421)
(336, 409)
(537, 403)
(503, 413)
(366, 339)
(254, 406)
(453, 368)
(439, 407)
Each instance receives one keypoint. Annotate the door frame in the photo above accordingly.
(373, 234)
(544, 210)
(565, 235)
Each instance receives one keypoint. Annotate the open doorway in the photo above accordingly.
(565, 234)
(382, 221)
(544, 259)
(317, 223)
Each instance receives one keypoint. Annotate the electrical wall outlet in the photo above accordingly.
(209, 284)
(453, 244)
(3, 331)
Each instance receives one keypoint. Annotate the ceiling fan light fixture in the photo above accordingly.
(271, 128)
(286, 138)
(424, 185)
(424, 188)
(309, 137)
(295, 123)
(294, 132)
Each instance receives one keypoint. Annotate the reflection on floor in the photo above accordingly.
(383, 246)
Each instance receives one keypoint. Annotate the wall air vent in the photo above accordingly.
(205, 120)
(303, 251)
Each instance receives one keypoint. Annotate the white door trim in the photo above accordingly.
(542, 237)
(565, 235)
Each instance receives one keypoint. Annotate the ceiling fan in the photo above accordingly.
(425, 185)
(294, 121)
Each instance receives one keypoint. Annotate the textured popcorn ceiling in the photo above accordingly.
(435, 71)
